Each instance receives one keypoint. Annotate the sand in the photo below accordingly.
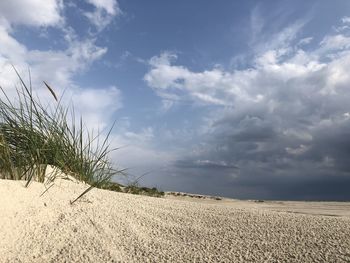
(107, 226)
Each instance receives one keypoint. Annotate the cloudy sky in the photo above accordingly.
(245, 99)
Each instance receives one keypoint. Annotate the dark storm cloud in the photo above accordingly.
(278, 156)
(282, 127)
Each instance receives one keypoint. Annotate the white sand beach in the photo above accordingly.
(106, 226)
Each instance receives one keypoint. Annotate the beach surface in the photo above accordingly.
(105, 226)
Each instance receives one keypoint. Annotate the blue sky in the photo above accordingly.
(246, 99)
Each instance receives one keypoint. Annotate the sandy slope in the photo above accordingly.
(113, 227)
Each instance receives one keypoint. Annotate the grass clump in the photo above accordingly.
(34, 135)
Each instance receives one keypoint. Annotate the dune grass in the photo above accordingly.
(34, 135)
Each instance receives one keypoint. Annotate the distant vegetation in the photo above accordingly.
(133, 189)
(34, 136)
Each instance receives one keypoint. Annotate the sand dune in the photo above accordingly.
(106, 226)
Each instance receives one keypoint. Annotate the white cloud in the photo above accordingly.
(266, 35)
(305, 41)
(104, 13)
(346, 20)
(11, 52)
(97, 106)
(57, 67)
(221, 87)
(10, 48)
(146, 134)
(170, 81)
(279, 40)
(336, 42)
(110, 6)
(273, 73)
(63, 65)
(31, 12)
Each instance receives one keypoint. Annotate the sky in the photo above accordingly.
(243, 99)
